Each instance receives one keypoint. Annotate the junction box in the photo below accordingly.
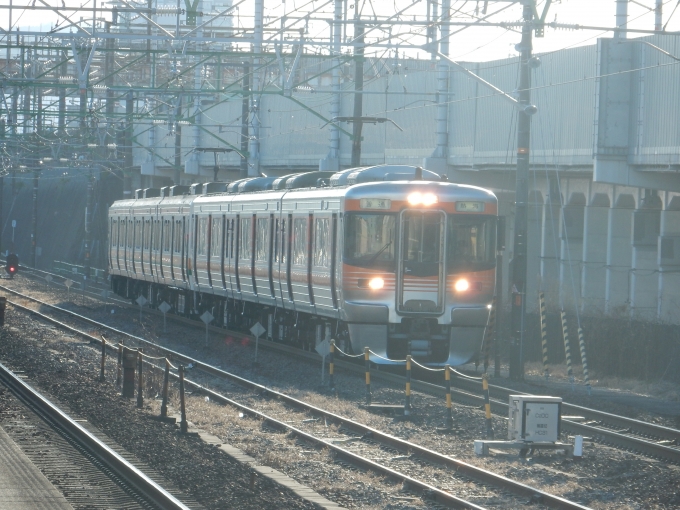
(534, 419)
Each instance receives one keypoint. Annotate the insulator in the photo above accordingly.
(166, 11)
(66, 79)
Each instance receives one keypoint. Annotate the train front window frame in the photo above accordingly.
(470, 242)
(370, 240)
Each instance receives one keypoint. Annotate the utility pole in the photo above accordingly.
(245, 110)
(178, 142)
(358, 91)
(34, 232)
(519, 261)
(127, 170)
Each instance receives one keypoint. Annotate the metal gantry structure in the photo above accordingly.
(105, 79)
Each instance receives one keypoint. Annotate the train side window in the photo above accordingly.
(215, 237)
(228, 237)
(177, 237)
(299, 241)
(114, 232)
(166, 235)
(283, 241)
(262, 239)
(322, 242)
(147, 234)
(233, 239)
(128, 233)
(202, 240)
(138, 234)
(155, 236)
(245, 241)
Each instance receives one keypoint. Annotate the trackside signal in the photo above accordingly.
(12, 264)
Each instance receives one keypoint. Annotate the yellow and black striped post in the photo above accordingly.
(544, 333)
(140, 379)
(367, 363)
(331, 367)
(489, 333)
(407, 402)
(166, 383)
(567, 348)
(487, 406)
(584, 359)
(449, 412)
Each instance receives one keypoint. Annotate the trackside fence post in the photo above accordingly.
(367, 364)
(544, 333)
(331, 367)
(407, 402)
(183, 413)
(489, 333)
(487, 406)
(567, 348)
(166, 382)
(449, 412)
(101, 368)
(140, 379)
(584, 359)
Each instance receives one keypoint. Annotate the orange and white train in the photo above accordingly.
(389, 257)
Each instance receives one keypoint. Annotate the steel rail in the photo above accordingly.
(499, 407)
(469, 470)
(126, 471)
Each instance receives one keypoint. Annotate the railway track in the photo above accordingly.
(622, 432)
(138, 487)
(370, 448)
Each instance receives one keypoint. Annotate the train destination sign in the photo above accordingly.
(470, 206)
(375, 203)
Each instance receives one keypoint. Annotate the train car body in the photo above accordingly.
(400, 266)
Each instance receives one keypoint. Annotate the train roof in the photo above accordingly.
(380, 181)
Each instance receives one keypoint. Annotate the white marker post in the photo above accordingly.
(164, 308)
(48, 279)
(257, 330)
(207, 318)
(105, 297)
(68, 282)
(324, 349)
(141, 301)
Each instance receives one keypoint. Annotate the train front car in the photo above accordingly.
(419, 264)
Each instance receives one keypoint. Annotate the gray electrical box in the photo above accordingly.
(534, 419)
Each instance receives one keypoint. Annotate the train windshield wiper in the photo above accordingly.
(378, 253)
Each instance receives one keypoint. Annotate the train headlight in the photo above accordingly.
(376, 283)
(418, 198)
(461, 285)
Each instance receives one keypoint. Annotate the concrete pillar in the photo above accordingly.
(619, 256)
(594, 275)
(571, 250)
(550, 251)
(644, 280)
(669, 263)
(534, 226)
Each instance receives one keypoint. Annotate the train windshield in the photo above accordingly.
(369, 240)
(470, 243)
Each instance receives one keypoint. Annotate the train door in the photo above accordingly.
(334, 250)
(183, 244)
(236, 252)
(421, 271)
(288, 251)
(223, 244)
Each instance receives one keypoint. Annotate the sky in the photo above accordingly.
(473, 44)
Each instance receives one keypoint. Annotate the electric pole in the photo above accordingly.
(519, 261)
(358, 93)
